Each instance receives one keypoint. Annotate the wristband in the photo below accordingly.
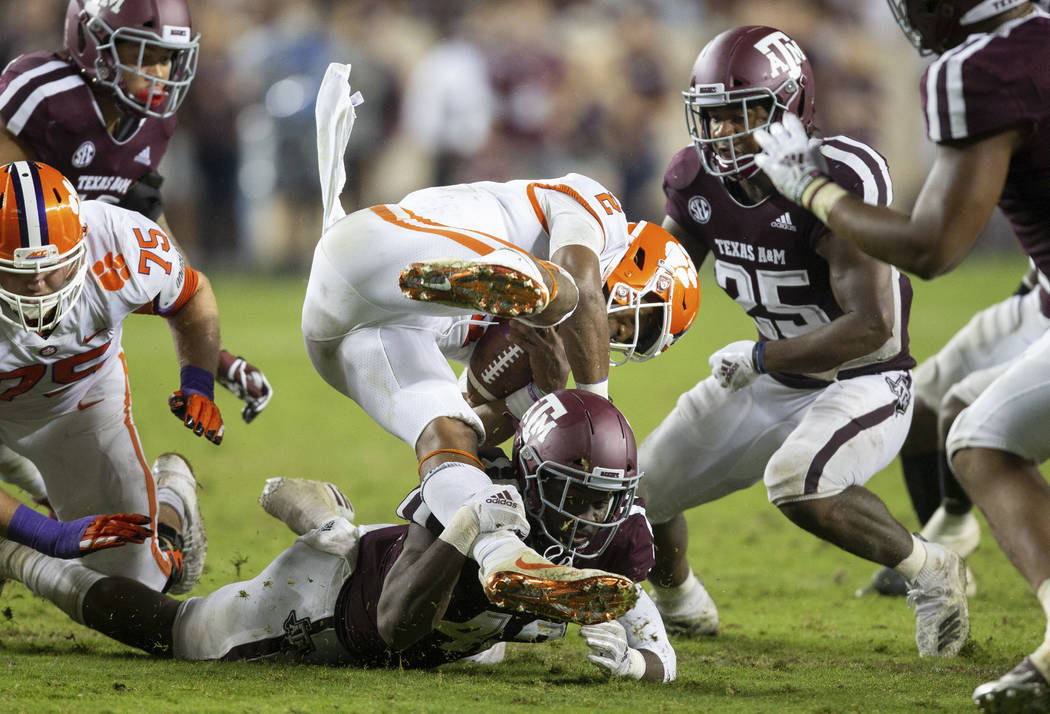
(636, 669)
(519, 401)
(38, 532)
(820, 196)
(600, 388)
(194, 380)
(758, 356)
(462, 530)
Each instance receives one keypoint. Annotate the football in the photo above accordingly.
(497, 366)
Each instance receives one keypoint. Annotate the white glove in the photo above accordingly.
(734, 365)
(790, 159)
(500, 508)
(610, 651)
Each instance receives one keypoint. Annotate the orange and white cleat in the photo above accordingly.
(559, 592)
(505, 283)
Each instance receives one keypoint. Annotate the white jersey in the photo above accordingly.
(522, 213)
(130, 264)
(389, 353)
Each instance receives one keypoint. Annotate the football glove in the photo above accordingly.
(500, 508)
(198, 413)
(734, 365)
(72, 539)
(790, 159)
(610, 651)
(246, 382)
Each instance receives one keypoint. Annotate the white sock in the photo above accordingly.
(63, 582)
(909, 567)
(1041, 657)
(680, 590)
(450, 485)
(167, 497)
(496, 547)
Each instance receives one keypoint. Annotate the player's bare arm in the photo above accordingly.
(195, 328)
(586, 332)
(195, 332)
(955, 203)
(863, 287)
(418, 588)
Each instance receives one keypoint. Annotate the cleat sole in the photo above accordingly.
(491, 289)
(587, 601)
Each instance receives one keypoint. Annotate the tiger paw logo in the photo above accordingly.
(111, 271)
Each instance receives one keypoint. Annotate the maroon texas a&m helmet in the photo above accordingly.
(747, 67)
(94, 30)
(577, 469)
(935, 26)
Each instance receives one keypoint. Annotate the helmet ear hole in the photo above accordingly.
(639, 257)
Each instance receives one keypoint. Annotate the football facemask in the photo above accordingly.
(41, 232)
(656, 285)
(577, 471)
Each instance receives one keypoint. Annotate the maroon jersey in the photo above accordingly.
(47, 104)
(765, 254)
(993, 82)
(471, 623)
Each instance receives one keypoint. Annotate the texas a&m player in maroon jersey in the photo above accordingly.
(102, 111)
(821, 400)
(407, 595)
(986, 99)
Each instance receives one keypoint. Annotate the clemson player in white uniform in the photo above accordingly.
(70, 272)
(390, 286)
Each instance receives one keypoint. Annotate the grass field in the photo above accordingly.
(793, 638)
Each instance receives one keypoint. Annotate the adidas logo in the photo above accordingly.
(143, 157)
(784, 222)
(506, 498)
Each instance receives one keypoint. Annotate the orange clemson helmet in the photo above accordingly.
(41, 231)
(656, 273)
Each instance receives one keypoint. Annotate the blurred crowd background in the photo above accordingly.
(478, 90)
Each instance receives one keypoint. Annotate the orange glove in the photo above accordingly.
(110, 531)
(199, 413)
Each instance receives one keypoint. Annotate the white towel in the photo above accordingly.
(335, 117)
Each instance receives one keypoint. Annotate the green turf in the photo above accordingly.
(793, 637)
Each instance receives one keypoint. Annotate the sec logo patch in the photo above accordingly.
(84, 154)
(699, 209)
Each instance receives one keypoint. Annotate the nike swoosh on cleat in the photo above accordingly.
(525, 565)
(81, 406)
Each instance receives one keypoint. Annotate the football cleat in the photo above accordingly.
(173, 472)
(303, 504)
(687, 610)
(505, 283)
(559, 592)
(958, 533)
(938, 593)
(1022, 690)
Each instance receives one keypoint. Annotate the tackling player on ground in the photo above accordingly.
(407, 596)
(821, 401)
(986, 99)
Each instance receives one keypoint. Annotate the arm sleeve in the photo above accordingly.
(645, 631)
(571, 224)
